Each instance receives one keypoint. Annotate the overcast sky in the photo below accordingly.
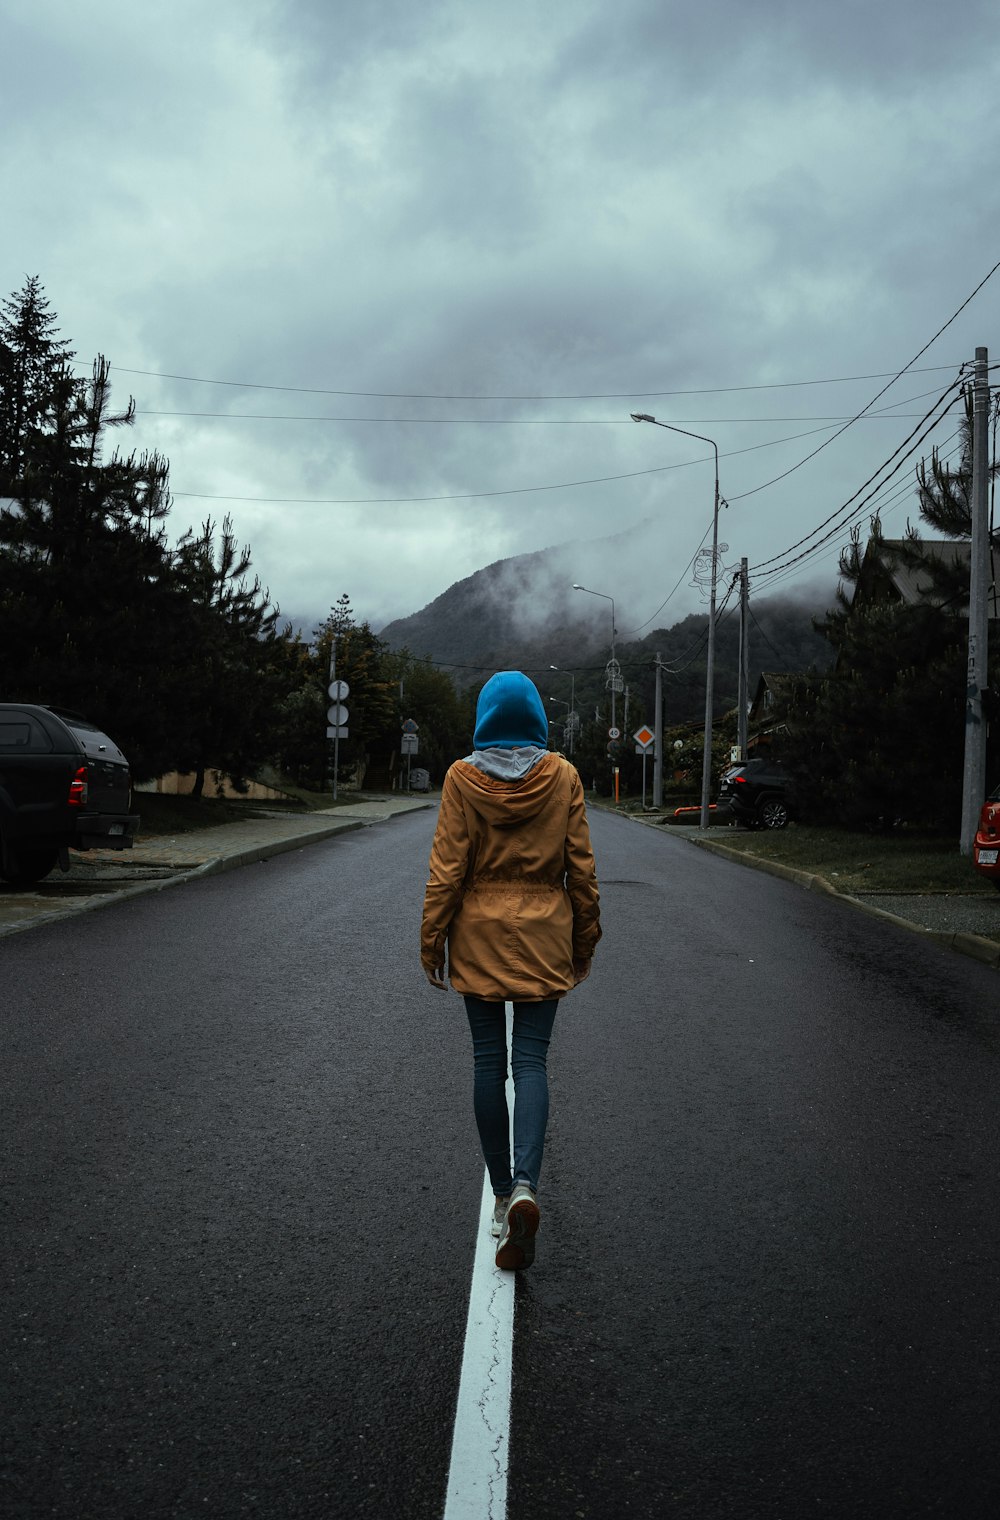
(464, 242)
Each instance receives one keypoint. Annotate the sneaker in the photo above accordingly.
(517, 1239)
(499, 1214)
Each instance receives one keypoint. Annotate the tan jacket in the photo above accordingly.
(512, 888)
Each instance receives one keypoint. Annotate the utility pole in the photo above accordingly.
(974, 775)
(744, 683)
(336, 736)
(658, 741)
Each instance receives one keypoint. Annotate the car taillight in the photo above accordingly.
(740, 780)
(78, 788)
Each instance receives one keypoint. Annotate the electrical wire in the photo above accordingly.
(676, 587)
(826, 443)
(881, 507)
(945, 401)
(884, 415)
(763, 635)
(720, 390)
(562, 485)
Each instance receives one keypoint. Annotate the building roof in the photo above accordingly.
(889, 561)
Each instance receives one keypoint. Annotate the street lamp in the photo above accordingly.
(572, 704)
(568, 731)
(613, 672)
(706, 766)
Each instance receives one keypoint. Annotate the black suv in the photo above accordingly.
(756, 793)
(63, 785)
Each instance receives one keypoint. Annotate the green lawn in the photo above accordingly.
(163, 813)
(902, 862)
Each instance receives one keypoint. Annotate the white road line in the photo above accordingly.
(477, 1476)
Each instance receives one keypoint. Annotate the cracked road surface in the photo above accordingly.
(241, 1182)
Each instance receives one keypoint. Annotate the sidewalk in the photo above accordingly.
(163, 860)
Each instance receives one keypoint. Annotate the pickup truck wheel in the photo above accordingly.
(773, 813)
(24, 866)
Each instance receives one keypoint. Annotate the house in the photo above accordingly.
(899, 570)
(768, 700)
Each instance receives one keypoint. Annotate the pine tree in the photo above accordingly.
(35, 380)
(227, 658)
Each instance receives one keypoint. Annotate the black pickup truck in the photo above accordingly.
(63, 785)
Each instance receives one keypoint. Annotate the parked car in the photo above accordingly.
(63, 785)
(757, 793)
(986, 850)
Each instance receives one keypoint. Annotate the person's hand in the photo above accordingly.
(436, 978)
(581, 971)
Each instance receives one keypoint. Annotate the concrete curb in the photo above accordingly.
(214, 866)
(986, 951)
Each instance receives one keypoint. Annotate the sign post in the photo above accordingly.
(644, 738)
(409, 745)
(336, 713)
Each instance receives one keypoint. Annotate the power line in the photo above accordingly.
(563, 485)
(498, 421)
(885, 464)
(774, 578)
(826, 442)
(674, 589)
(763, 635)
(719, 390)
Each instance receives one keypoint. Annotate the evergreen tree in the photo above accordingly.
(945, 494)
(228, 659)
(35, 380)
(428, 696)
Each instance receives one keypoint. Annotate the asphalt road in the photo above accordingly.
(240, 1180)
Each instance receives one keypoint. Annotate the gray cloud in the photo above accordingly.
(445, 200)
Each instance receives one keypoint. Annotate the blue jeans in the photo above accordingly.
(529, 1048)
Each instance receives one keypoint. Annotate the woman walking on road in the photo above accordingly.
(513, 895)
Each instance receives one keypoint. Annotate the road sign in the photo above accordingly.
(644, 736)
(614, 733)
(409, 745)
(409, 727)
(337, 733)
(336, 714)
(338, 690)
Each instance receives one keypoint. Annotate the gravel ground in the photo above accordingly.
(951, 914)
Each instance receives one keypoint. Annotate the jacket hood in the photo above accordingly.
(510, 714)
(506, 804)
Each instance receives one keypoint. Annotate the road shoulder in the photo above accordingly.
(100, 877)
(923, 911)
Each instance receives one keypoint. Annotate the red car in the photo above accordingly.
(986, 851)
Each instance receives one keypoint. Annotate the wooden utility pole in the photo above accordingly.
(744, 682)
(658, 741)
(974, 775)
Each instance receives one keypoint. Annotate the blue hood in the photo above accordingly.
(509, 714)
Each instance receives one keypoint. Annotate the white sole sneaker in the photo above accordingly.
(499, 1213)
(520, 1226)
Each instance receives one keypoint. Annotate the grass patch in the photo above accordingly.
(165, 813)
(903, 862)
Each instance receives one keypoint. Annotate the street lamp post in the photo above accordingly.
(613, 668)
(706, 766)
(569, 713)
(572, 705)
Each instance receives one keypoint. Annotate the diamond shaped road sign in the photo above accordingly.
(644, 736)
